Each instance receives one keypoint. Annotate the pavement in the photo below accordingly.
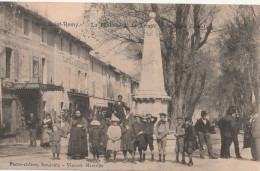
(12, 157)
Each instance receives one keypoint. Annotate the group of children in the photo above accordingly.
(123, 135)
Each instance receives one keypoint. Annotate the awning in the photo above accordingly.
(37, 86)
(76, 94)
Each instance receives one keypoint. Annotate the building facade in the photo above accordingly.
(45, 69)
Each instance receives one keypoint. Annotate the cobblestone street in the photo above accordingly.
(42, 158)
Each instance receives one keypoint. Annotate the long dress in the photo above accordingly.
(78, 140)
(114, 134)
(46, 131)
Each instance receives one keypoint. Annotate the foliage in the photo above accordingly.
(185, 29)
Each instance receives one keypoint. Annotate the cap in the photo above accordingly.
(138, 115)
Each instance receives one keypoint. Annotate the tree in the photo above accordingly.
(238, 45)
(185, 30)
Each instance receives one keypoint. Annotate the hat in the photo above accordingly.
(119, 96)
(95, 122)
(55, 125)
(187, 119)
(232, 109)
(127, 108)
(114, 119)
(138, 115)
(203, 113)
(148, 114)
(179, 117)
(164, 114)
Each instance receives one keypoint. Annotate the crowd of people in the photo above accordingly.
(123, 131)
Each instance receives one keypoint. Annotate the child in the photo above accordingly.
(180, 134)
(55, 141)
(95, 135)
(149, 122)
(190, 142)
(161, 132)
(127, 141)
(114, 135)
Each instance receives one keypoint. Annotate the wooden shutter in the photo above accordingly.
(16, 64)
(2, 62)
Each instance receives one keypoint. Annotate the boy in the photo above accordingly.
(127, 141)
(180, 134)
(148, 134)
(161, 132)
(95, 135)
(190, 142)
(55, 141)
(138, 130)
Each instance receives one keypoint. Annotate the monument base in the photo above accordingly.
(151, 106)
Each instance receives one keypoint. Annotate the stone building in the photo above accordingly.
(45, 69)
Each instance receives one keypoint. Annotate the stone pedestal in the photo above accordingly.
(151, 96)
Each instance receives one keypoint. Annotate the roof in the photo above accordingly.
(48, 22)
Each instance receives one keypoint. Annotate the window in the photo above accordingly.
(70, 48)
(93, 88)
(8, 62)
(43, 35)
(44, 71)
(35, 67)
(61, 44)
(61, 105)
(26, 27)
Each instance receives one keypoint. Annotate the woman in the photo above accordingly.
(78, 140)
(46, 130)
(190, 142)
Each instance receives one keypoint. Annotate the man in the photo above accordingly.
(180, 134)
(161, 132)
(129, 116)
(255, 138)
(148, 133)
(227, 126)
(32, 129)
(235, 134)
(203, 128)
(138, 130)
(119, 107)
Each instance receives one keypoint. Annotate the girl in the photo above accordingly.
(190, 142)
(114, 135)
(46, 131)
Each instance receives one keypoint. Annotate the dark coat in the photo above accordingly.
(119, 109)
(149, 126)
(95, 136)
(227, 126)
(31, 123)
(127, 138)
(201, 127)
(190, 141)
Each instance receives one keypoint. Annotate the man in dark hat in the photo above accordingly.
(161, 132)
(119, 107)
(203, 128)
(149, 122)
(138, 131)
(180, 134)
(228, 131)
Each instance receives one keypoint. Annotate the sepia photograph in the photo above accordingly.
(129, 86)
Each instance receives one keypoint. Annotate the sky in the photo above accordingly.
(70, 12)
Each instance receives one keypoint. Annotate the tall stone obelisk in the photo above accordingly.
(151, 96)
